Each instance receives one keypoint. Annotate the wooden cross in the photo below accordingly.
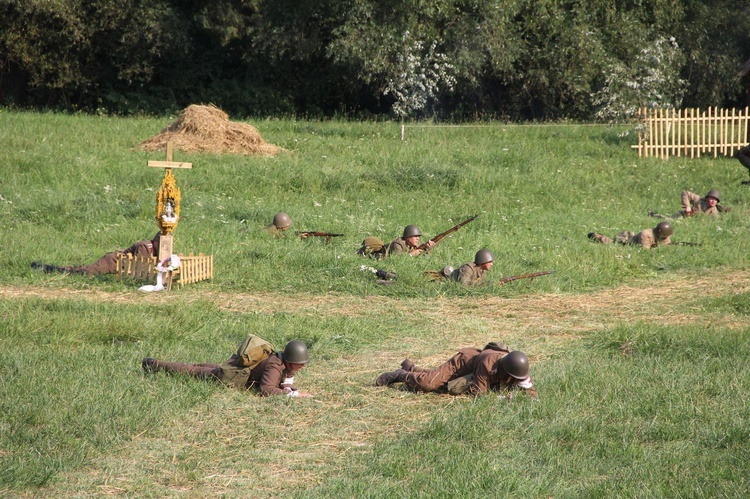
(169, 163)
(167, 197)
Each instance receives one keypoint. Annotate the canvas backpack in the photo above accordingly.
(251, 352)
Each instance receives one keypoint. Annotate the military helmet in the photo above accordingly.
(295, 352)
(663, 230)
(411, 231)
(713, 193)
(281, 220)
(483, 256)
(516, 363)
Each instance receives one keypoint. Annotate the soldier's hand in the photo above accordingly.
(304, 394)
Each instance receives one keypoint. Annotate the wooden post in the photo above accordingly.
(168, 202)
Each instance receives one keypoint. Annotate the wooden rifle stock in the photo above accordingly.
(327, 235)
(530, 275)
(448, 232)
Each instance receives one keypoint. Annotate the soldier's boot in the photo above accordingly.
(408, 366)
(385, 379)
(599, 238)
(147, 364)
(47, 269)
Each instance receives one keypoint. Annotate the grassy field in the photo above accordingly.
(640, 357)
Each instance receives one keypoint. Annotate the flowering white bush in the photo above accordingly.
(652, 80)
(418, 77)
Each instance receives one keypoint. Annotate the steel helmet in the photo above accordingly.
(483, 256)
(295, 352)
(281, 220)
(713, 193)
(411, 231)
(516, 363)
(663, 230)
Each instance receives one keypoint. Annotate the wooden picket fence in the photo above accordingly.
(692, 132)
(192, 269)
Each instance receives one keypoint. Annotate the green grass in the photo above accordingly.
(641, 392)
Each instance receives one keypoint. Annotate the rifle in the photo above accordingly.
(308, 233)
(684, 243)
(448, 232)
(531, 276)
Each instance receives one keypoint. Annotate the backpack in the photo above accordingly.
(251, 352)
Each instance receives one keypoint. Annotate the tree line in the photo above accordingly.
(442, 59)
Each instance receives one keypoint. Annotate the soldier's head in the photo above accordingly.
(282, 221)
(663, 230)
(411, 235)
(515, 364)
(712, 198)
(484, 259)
(295, 356)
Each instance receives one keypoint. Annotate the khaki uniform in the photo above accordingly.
(107, 264)
(396, 247)
(270, 377)
(468, 274)
(484, 365)
(645, 239)
(697, 204)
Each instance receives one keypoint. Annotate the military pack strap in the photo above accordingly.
(237, 369)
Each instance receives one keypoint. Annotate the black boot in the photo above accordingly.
(386, 379)
(147, 364)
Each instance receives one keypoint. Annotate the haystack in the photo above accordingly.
(208, 129)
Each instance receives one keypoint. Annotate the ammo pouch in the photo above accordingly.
(251, 352)
(461, 385)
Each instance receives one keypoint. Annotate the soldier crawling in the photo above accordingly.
(647, 239)
(471, 371)
(407, 243)
(272, 376)
(107, 264)
(693, 204)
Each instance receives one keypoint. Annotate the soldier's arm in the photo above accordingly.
(270, 380)
(647, 241)
(688, 198)
(481, 382)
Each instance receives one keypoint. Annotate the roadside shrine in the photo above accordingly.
(190, 268)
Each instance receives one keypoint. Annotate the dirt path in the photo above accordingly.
(546, 313)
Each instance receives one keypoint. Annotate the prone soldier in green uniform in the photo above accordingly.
(407, 243)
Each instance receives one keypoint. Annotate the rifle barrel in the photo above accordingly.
(453, 229)
(530, 275)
